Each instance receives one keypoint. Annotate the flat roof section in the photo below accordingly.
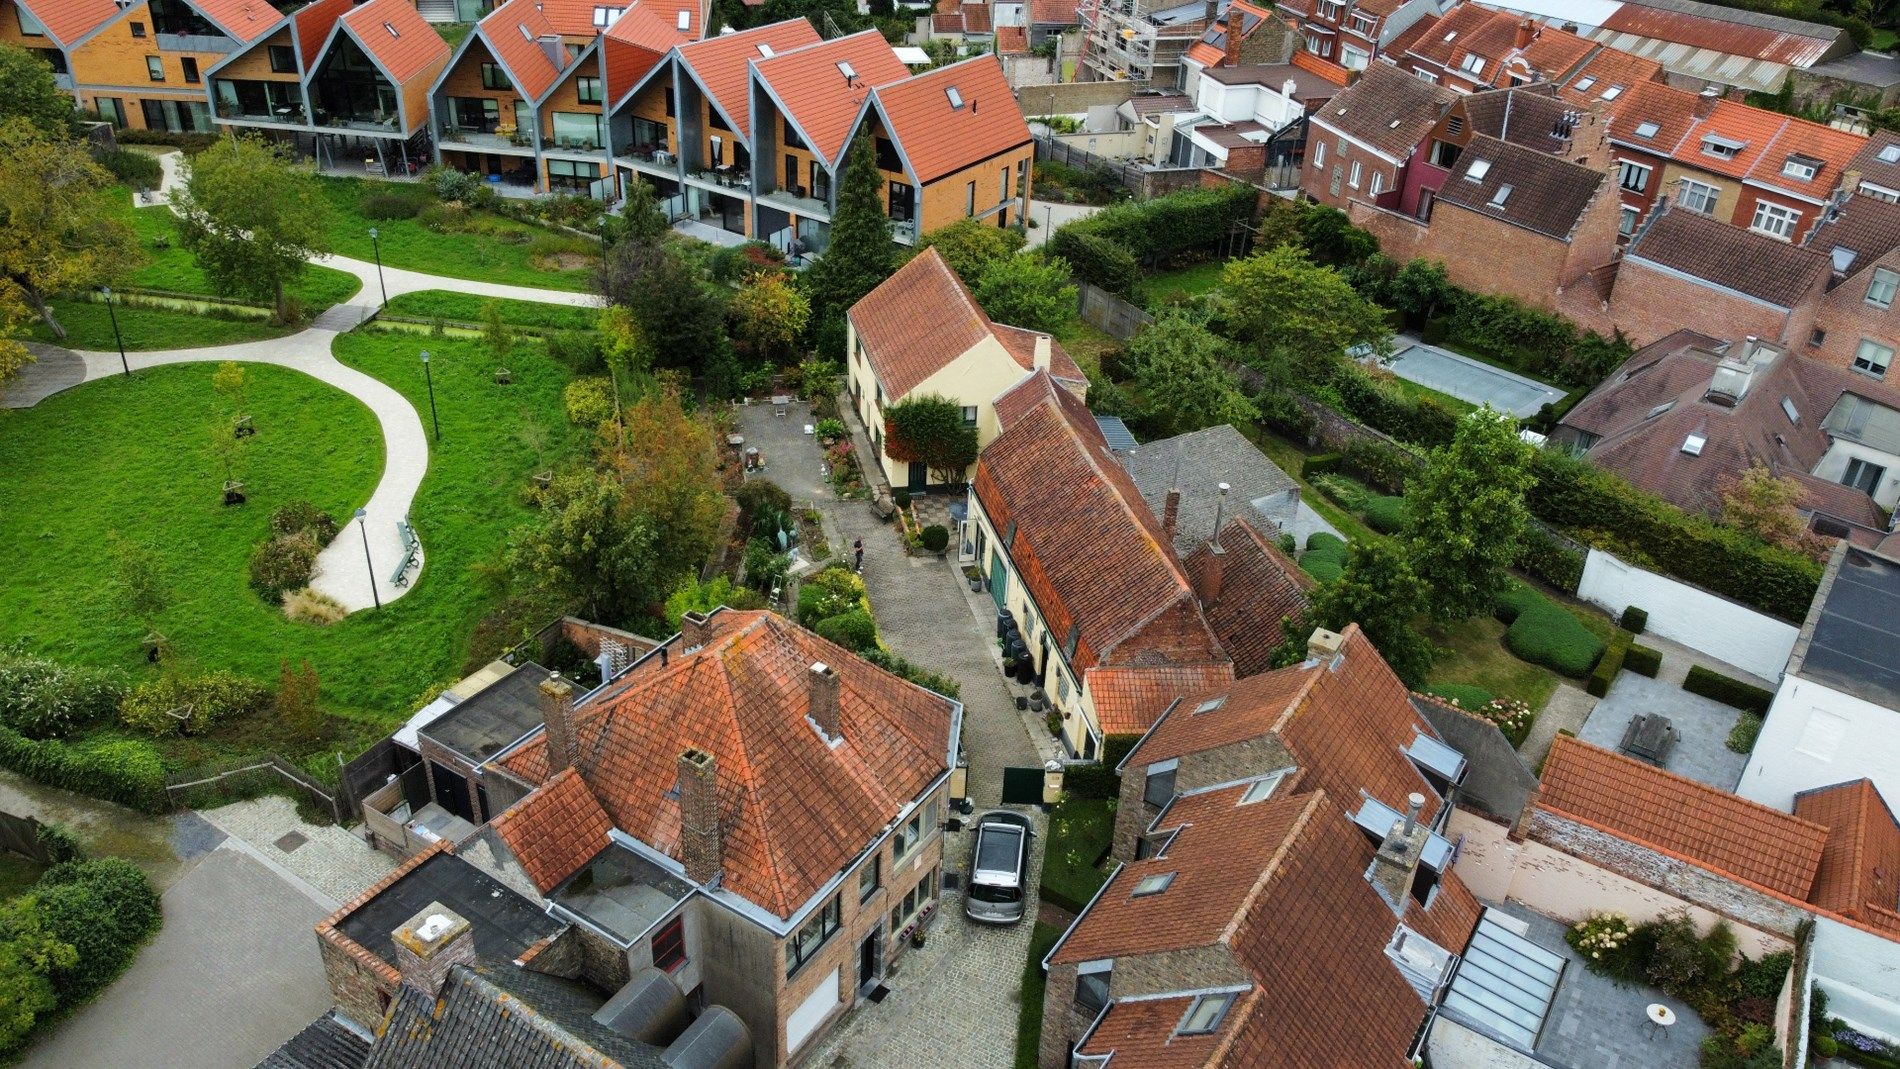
(504, 923)
(1858, 630)
(494, 718)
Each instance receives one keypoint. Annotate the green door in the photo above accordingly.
(999, 579)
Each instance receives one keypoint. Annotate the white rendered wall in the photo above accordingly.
(1708, 623)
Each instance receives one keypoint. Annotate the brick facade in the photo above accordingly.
(1844, 318)
(1648, 304)
(1207, 768)
(1137, 974)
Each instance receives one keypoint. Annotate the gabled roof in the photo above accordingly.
(398, 39)
(1872, 160)
(1769, 140)
(668, 13)
(67, 21)
(1698, 823)
(314, 24)
(922, 318)
(1531, 116)
(635, 45)
(1211, 49)
(1249, 708)
(1521, 186)
(555, 830)
(821, 100)
(325, 1043)
(938, 136)
(1196, 465)
(1089, 552)
(1492, 36)
(1738, 33)
(1012, 40)
(1857, 235)
(793, 810)
(1142, 1032)
(513, 34)
(1775, 272)
(1670, 110)
(243, 20)
(1130, 698)
(1597, 82)
(1259, 587)
(1054, 13)
(1387, 108)
(504, 1017)
(1860, 869)
(723, 64)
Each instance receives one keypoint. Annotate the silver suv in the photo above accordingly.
(999, 864)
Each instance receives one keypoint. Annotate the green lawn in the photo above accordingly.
(1029, 1010)
(1158, 290)
(443, 304)
(169, 266)
(1472, 653)
(89, 326)
(1414, 390)
(1080, 830)
(133, 457)
(504, 254)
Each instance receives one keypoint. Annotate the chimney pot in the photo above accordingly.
(1324, 643)
(699, 815)
(430, 944)
(1414, 805)
(825, 714)
(557, 712)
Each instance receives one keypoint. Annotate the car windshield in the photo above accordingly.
(997, 849)
(983, 892)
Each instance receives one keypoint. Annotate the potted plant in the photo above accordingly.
(975, 575)
(934, 539)
(1037, 700)
(1022, 703)
(1009, 667)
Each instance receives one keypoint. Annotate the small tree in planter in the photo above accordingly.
(935, 539)
(929, 430)
(975, 576)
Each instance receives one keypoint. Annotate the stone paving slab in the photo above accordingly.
(1702, 726)
(335, 862)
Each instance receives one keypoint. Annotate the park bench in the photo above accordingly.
(410, 546)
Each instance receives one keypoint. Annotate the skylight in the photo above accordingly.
(955, 98)
(1793, 413)
(1660, 409)
(1473, 63)
(526, 34)
(1693, 444)
(1647, 130)
(845, 68)
(1261, 789)
(685, 20)
(1890, 154)
(1843, 258)
(1205, 1014)
(1585, 83)
(766, 51)
(1209, 705)
(1612, 93)
(1153, 885)
(1477, 170)
(391, 27)
(1393, 125)
(1503, 194)
(1451, 35)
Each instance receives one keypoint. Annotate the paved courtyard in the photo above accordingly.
(1702, 726)
(334, 863)
(1471, 380)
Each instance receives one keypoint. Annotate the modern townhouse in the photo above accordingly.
(1347, 35)
(745, 823)
(48, 28)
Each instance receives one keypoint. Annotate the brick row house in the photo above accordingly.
(1342, 36)
(727, 842)
(748, 132)
(1283, 886)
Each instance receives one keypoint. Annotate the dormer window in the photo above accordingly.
(1477, 170)
(1091, 986)
(1801, 168)
(606, 16)
(1647, 130)
(1205, 1014)
(1473, 64)
(1722, 148)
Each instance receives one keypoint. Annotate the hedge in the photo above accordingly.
(1424, 420)
(1543, 632)
(1642, 660)
(1320, 464)
(1728, 690)
(1635, 620)
(1386, 514)
(106, 909)
(118, 770)
(1610, 665)
(1544, 557)
(1191, 221)
(1092, 780)
(1096, 260)
(1325, 556)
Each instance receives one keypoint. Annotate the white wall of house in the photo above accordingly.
(972, 380)
(1702, 621)
(1817, 736)
(1833, 468)
(1268, 105)
(1860, 972)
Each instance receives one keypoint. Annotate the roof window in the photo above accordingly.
(850, 73)
(1890, 154)
(606, 16)
(1451, 35)
(1152, 885)
(1205, 1014)
(1474, 63)
(1801, 167)
(1503, 194)
(1393, 125)
(1477, 170)
(685, 20)
(1612, 93)
(526, 34)
(1843, 258)
(1788, 409)
(1261, 789)
(1660, 409)
(1693, 444)
(1647, 130)
(1209, 705)
(391, 27)
(1585, 83)
(766, 51)
(955, 98)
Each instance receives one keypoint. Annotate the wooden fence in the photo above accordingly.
(1110, 314)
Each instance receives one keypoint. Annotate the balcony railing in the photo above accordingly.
(796, 201)
(727, 177)
(288, 115)
(904, 230)
(388, 125)
(572, 144)
(476, 137)
(195, 42)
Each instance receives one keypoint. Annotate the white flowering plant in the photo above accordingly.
(1603, 940)
(1512, 716)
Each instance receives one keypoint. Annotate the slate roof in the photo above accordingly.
(793, 811)
(413, 51)
(1197, 463)
(1546, 195)
(1128, 700)
(922, 318)
(504, 1017)
(820, 99)
(325, 1043)
(723, 64)
(504, 924)
(555, 830)
(1390, 109)
(1703, 825)
(1259, 587)
(1860, 869)
(1091, 555)
(1528, 116)
(938, 138)
(1731, 257)
(1855, 616)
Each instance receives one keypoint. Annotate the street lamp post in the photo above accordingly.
(377, 245)
(362, 523)
(106, 292)
(430, 375)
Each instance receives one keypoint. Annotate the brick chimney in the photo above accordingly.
(1207, 579)
(695, 630)
(1170, 513)
(431, 943)
(1042, 354)
(557, 711)
(699, 815)
(1397, 860)
(822, 682)
(1526, 33)
(1236, 22)
(1705, 104)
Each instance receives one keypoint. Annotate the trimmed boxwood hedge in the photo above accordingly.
(1635, 620)
(1727, 690)
(1386, 514)
(1642, 660)
(1543, 632)
(1610, 665)
(119, 770)
(1325, 556)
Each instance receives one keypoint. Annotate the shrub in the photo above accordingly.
(42, 699)
(1607, 945)
(59, 843)
(1512, 716)
(136, 169)
(829, 593)
(1762, 977)
(1642, 660)
(1096, 260)
(760, 497)
(853, 630)
(1635, 620)
(1320, 464)
(1543, 557)
(1382, 466)
(285, 562)
(903, 669)
(1463, 695)
(191, 704)
(1741, 737)
(313, 607)
(1325, 556)
(293, 517)
(936, 538)
(127, 771)
(444, 218)
(1091, 780)
(900, 498)
(1609, 665)
(1727, 690)
(765, 566)
(578, 349)
(1543, 632)
(106, 909)
(742, 262)
(1680, 961)
(390, 206)
(191, 143)
(1386, 514)
(832, 428)
(589, 402)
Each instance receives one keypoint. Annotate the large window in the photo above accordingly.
(906, 838)
(1880, 289)
(111, 109)
(1091, 986)
(1357, 170)
(576, 130)
(1863, 476)
(803, 944)
(587, 90)
(914, 899)
(29, 26)
(1160, 787)
(494, 77)
(1872, 357)
(669, 946)
(868, 881)
(1697, 197)
(571, 176)
(792, 140)
(1775, 220)
(283, 59)
(1632, 176)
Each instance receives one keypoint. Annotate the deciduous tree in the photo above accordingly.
(670, 471)
(27, 92)
(1466, 512)
(1180, 368)
(684, 324)
(1768, 507)
(588, 547)
(970, 245)
(59, 230)
(1378, 591)
(1293, 317)
(769, 314)
(1027, 291)
(253, 217)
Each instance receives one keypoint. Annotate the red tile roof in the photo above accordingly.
(1469, 30)
(1672, 111)
(723, 64)
(793, 810)
(1605, 69)
(66, 21)
(1768, 138)
(1129, 699)
(1011, 40)
(1054, 13)
(1085, 545)
(555, 830)
(667, 13)
(821, 100)
(1254, 707)
(1259, 587)
(1142, 1033)
(938, 138)
(1860, 869)
(314, 24)
(244, 20)
(396, 37)
(1022, 345)
(1721, 35)
(634, 46)
(513, 32)
(1706, 826)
